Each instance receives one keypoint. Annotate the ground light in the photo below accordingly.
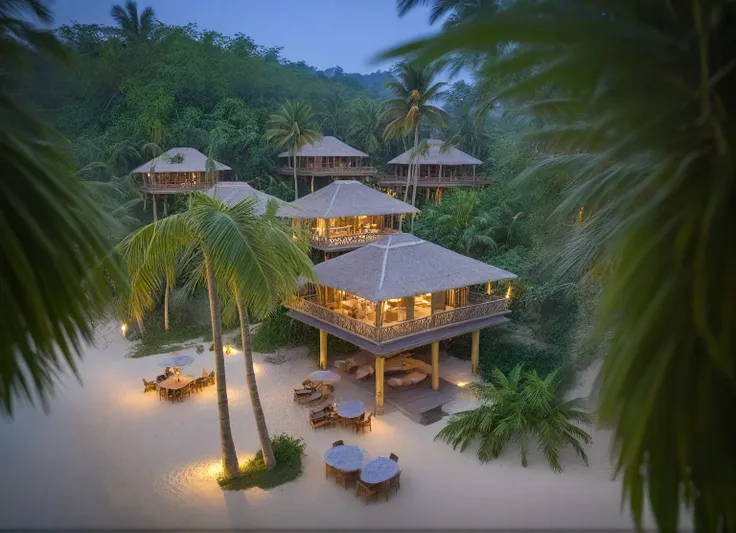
(123, 329)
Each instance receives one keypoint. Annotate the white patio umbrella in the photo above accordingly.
(324, 376)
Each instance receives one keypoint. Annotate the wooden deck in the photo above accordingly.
(419, 402)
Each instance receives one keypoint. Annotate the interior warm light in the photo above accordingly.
(462, 383)
(508, 291)
(123, 329)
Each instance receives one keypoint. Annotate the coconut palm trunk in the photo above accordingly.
(250, 378)
(416, 173)
(229, 455)
(141, 327)
(166, 307)
(296, 183)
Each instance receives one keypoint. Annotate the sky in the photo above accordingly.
(323, 33)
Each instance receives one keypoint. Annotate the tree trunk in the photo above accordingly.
(296, 183)
(166, 307)
(312, 184)
(229, 456)
(141, 328)
(416, 175)
(250, 379)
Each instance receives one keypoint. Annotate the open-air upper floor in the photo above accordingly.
(400, 292)
(180, 170)
(327, 156)
(345, 215)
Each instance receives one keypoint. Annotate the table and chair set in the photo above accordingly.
(372, 479)
(173, 385)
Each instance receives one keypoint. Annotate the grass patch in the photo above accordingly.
(156, 342)
(289, 452)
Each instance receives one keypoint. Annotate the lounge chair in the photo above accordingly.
(396, 364)
(148, 385)
(363, 423)
(320, 420)
(363, 358)
(364, 371)
(314, 397)
(300, 393)
(412, 378)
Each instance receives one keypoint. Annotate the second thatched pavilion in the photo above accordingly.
(346, 215)
(398, 293)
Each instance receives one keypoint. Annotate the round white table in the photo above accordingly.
(345, 458)
(350, 409)
(379, 470)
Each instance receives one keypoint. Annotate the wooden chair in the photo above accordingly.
(211, 378)
(186, 390)
(394, 482)
(394, 457)
(367, 490)
(338, 443)
(344, 477)
(363, 423)
(198, 384)
(175, 395)
(148, 385)
(321, 422)
(163, 393)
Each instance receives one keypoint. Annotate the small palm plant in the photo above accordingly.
(515, 409)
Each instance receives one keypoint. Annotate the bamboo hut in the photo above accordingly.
(346, 215)
(401, 292)
(440, 166)
(178, 170)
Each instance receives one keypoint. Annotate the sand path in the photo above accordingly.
(109, 456)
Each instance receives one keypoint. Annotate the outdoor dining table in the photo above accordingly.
(350, 409)
(176, 382)
(379, 470)
(345, 458)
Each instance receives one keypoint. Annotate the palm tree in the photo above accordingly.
(413, 89)
(133, 26)
(514, 409)
(366, 124)
(333, 114)
(252, 258)
(50, 305)
(652, 163)
(277, 261)
(291, 128)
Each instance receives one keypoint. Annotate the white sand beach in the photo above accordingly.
(108, 455)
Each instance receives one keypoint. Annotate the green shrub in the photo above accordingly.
(280, 331)
(289, 453)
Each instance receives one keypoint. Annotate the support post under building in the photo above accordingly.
(379, 384)
(435, 366)
(475, 351)
(323, 349)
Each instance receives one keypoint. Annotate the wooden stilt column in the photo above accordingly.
(379, 385)
(435, 366)
(155, 212)
(475, 351)
(166, 206)
(323, 349)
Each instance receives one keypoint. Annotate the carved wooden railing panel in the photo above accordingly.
(357, 239)
(328, 170)
(480, 306)
(464, 179)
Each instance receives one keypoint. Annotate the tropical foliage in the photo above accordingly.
(292, 128)
(652, 164)
(517, 408)
(54, 234)
(238, 255)
(132, 25)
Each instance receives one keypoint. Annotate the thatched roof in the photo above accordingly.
(327, 146)
(403, 265)
(193, 161)
(345, 198)
(232, 192)
(435, 156)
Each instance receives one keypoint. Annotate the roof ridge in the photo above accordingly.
(332, 202)
(385, 259)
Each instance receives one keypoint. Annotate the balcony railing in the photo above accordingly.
(341, 241)
(328, 171)
(479, 306)
(189, 186)
(434, 180)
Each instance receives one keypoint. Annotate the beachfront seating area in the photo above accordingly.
(372, 479)
(174, 386)
(329, 415)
